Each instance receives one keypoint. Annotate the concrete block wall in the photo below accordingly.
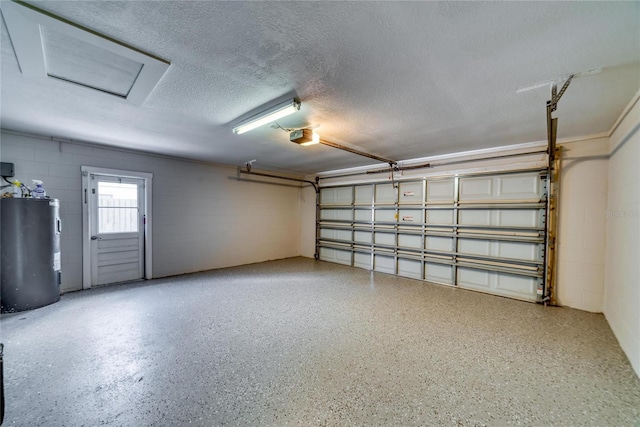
(203, 216)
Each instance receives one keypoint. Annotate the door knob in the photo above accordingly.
(96, 238)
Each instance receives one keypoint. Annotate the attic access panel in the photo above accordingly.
(48, 46)
(70, 59)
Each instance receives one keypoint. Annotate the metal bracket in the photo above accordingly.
(552, 122)
(551, 215)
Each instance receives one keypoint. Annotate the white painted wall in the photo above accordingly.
(581, 224)
(622, 277)
(204, 218)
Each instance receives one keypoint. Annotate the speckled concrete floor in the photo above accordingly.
(310, 343)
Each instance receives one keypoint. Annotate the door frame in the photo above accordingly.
(86, 237)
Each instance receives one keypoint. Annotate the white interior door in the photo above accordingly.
(116, 225)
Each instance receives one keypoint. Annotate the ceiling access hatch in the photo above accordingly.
(73, 60)
(48, 46)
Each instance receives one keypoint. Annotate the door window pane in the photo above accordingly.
(117, 207)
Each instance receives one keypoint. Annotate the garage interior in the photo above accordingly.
(443, 229)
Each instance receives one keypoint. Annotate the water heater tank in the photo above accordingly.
(29, 254)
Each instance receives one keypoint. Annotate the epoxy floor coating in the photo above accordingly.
(310, 343)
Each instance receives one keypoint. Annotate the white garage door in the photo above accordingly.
(480, 232)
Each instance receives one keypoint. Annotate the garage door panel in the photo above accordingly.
(504, 284)
(327, 196)
(515, 250)
(410, 192)
(336, 214)
(410, 241)
(472, 278)
(438, 273)
(410, 216)
(385, 215)
(362, 215)
(502, 187)
(500, 217)
(510, 250)
(516, 286)
(474, 247)
(440, 191)
(339, 195)
(362, 260)
(518, 218)
(363, 236)
(434, 243)
(384, 264)
(440, 216)
(385, 194)
(479, 188)
(385, 239)
(328, 233)
(364, 194)
(474, 217)
(514, 187)
(335, 255)
(410, 268)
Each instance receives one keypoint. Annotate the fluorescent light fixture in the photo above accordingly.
(267, 116)
(304, 137)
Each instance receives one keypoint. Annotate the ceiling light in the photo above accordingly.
(267, 116)
(304, 137)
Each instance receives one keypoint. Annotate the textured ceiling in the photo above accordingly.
(401, 80)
